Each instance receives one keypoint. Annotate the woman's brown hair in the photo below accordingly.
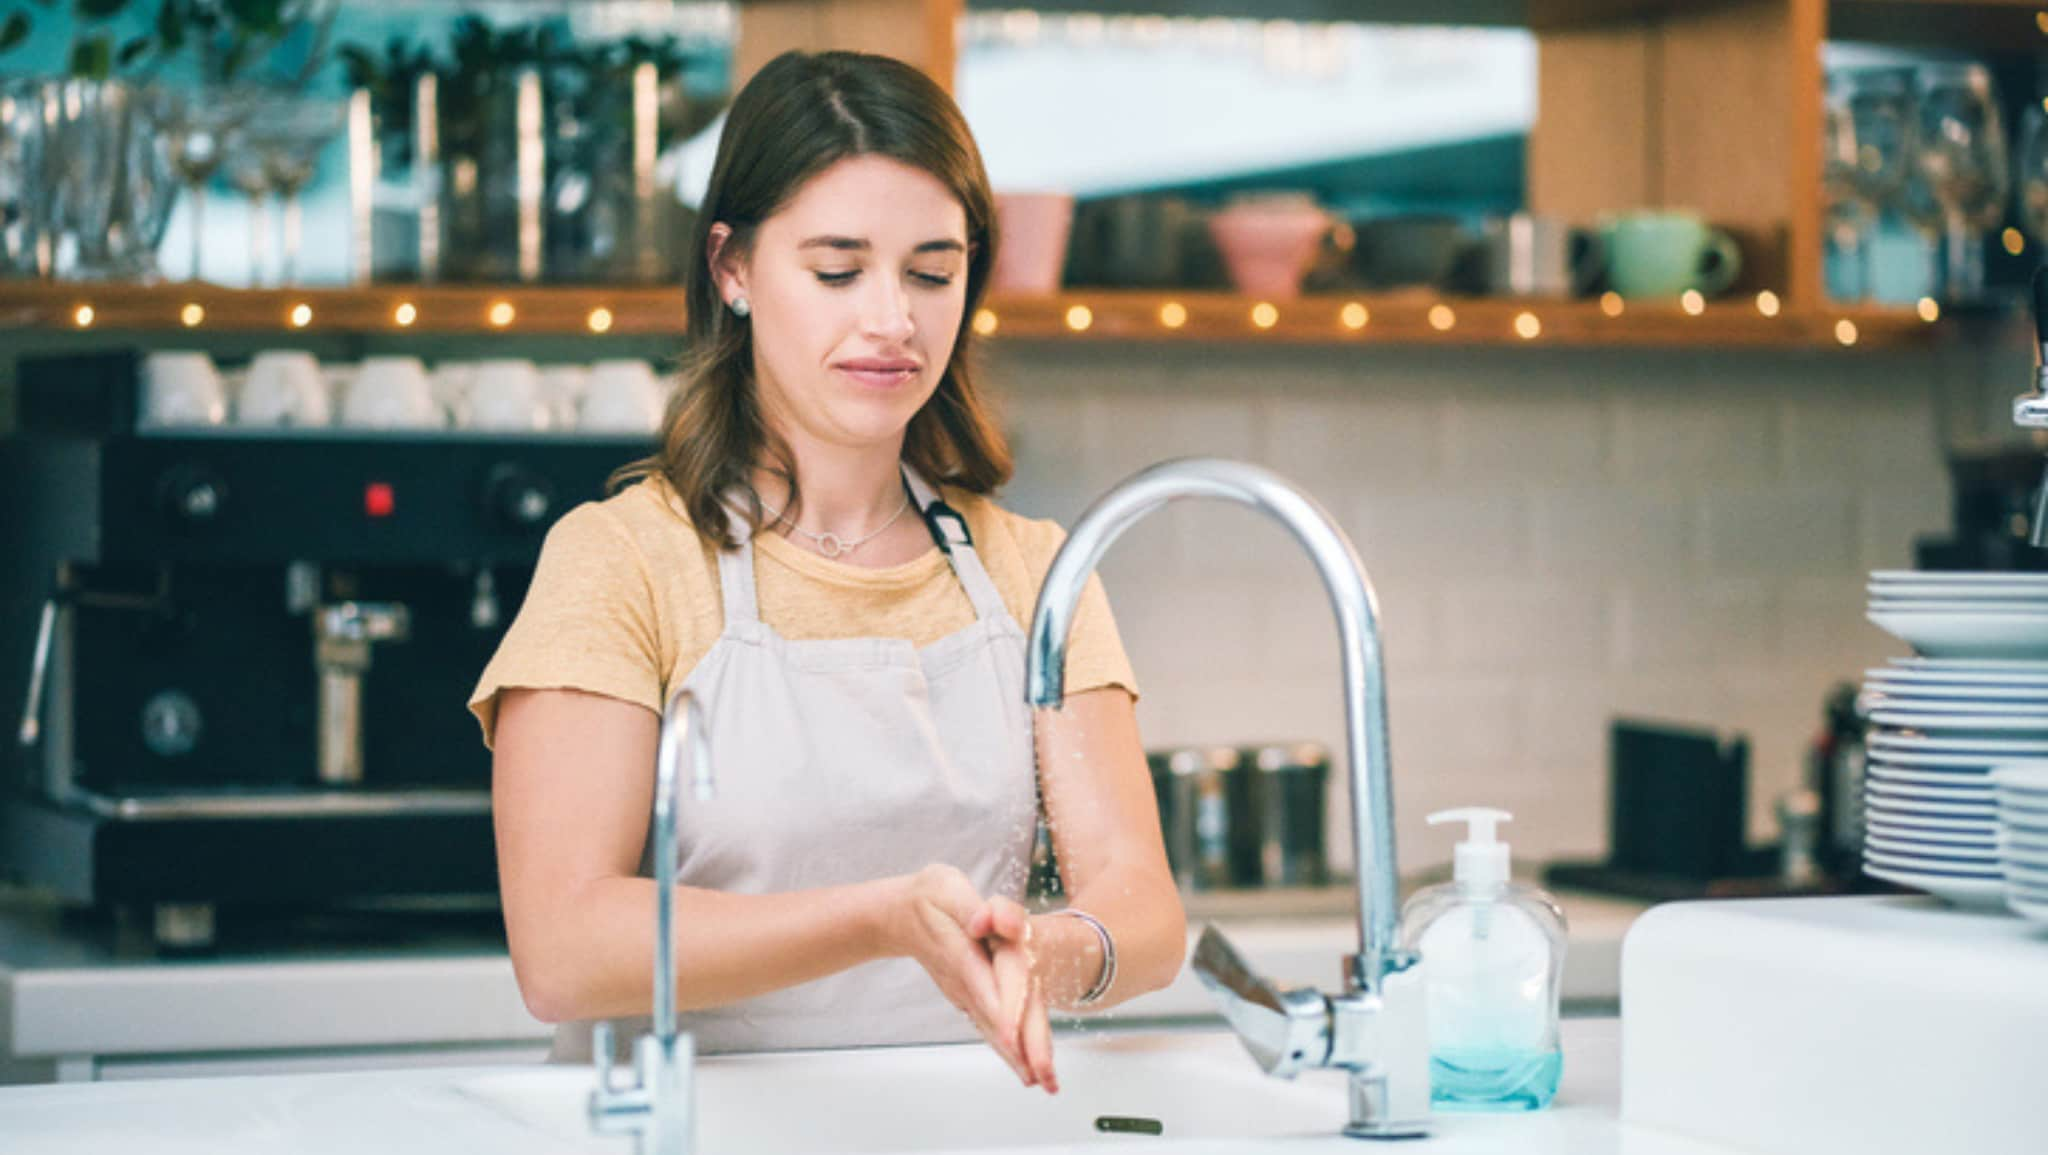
(798, 116)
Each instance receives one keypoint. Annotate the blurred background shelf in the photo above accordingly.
(1078, 315)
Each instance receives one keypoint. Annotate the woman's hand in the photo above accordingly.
(1005, 929)
(931, 927)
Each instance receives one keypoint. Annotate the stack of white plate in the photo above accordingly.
(1963, 615)
(1937, 727)
(2023, 836)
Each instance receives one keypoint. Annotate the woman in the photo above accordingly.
(858, 878)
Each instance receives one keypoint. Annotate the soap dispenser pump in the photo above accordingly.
(1494, 950)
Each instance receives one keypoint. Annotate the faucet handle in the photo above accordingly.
(2030, 410)
(1286, 1030)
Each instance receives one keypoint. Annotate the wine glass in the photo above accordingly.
(287, 137)
(1961, 158)
(248, 174)
(195, 129)
(1868, 125)
(2031, 180)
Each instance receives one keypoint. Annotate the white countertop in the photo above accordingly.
(438, 1110)
(64, 996)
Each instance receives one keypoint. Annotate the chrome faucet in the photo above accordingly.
(659, 1105)
(2030, 410)
(1377, 1028)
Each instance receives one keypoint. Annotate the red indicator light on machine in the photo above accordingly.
(378, 500)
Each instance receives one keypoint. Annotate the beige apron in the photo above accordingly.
(846, 760)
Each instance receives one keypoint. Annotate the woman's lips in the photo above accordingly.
(877, 376)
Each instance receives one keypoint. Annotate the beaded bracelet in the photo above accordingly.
(1104, 980)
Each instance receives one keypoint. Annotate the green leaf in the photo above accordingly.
(133, 51)
(93, 58)
(101, 9)
(16, 30)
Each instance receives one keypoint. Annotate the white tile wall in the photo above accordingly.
(1556, 538)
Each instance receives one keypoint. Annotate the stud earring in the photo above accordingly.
(740, 308)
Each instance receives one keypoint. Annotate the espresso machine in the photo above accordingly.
(242, 657)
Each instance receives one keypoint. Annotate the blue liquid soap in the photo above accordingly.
(1494, 1080)
(1492, 956)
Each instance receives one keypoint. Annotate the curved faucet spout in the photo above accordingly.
(1358, 632)
(682, 728)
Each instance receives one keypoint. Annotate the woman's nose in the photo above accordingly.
(887, 311)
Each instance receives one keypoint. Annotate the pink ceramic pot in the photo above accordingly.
(1268, 246)
(1031, 252)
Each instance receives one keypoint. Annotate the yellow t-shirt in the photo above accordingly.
(625, 599)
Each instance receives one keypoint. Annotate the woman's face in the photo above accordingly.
(857, 287)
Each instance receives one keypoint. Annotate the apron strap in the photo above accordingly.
(736, 573)
(949, 530)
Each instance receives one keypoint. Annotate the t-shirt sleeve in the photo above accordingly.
(1095, 651)
(588, 621)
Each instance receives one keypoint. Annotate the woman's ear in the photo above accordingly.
(728, 268)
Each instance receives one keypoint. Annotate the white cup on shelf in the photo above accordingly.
(391, 393)
(182, 388)
(506, 396)
(623, 396)
(563, 386)
(283, 388)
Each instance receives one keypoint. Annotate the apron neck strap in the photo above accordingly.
(948, 529)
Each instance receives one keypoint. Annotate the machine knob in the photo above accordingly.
(193, 495)
(519, 498)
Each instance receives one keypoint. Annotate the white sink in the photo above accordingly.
(951, 1098)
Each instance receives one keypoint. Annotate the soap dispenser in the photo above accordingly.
(1493, 951)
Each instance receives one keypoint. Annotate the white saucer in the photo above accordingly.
(1963, 858)
(2016, 672)
(1960, 576)
(1907, 768)
(1947, 695)
(1992, 749)
(1893, 832)
(2027, 908)
(1975, 634)
(1975, 893)
(1887, 805)
(2030, 722)
(1875, 698)
(1885, 788)
(1998, 607)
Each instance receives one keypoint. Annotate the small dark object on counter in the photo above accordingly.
(1127, 1125)
(1680, 800)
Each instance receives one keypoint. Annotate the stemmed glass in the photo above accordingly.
(1961, 160)
(246, 172)
(1868, 126)
(289, 137)
(195, 128)
(2032, 178)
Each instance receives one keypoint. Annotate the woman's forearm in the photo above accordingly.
(1141, 910)
(594, 957)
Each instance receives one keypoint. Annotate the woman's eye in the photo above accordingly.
(837, 278)
(935, 280)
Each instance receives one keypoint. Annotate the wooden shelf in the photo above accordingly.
(1079, 315)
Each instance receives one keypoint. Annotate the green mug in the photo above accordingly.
(1663, 254)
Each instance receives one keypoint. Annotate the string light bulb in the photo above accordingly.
(1528, 326)
(192, 315)
(1692, 302)
(986, 321)
(1611, 303)
(1845, 331)
(1355, 316)
(1079, 317)
(1265, 315)
(1929, 309)
(502, 314)
(83, 317)
(405, 314)
(1767, 303)
(1441, 318)
(600, 320)
(301, 315)
(1173, 314)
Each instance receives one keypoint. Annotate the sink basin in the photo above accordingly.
(950, 1098)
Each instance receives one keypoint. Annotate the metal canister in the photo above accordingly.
(1197, 815)
(1289, 787)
